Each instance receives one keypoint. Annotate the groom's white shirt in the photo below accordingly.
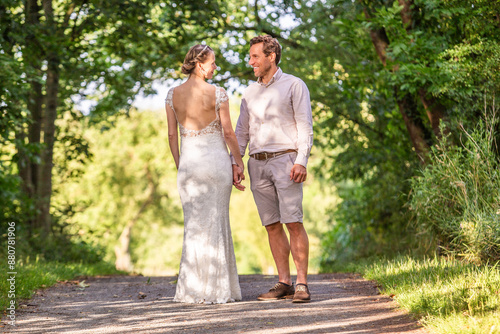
(276, 117)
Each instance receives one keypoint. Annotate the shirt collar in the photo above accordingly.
(275, 77)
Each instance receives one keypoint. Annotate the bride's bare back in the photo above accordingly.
(194, 105)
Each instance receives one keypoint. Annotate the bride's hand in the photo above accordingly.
(238, 176)
(242, 167)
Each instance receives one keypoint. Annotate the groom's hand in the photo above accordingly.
(298, 173)
(238, 176)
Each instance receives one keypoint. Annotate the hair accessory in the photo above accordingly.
(206, 46)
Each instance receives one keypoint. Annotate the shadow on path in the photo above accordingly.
(342, 303)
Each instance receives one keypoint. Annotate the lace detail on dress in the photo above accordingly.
(220, 96)
(214, 126)
(168, 100)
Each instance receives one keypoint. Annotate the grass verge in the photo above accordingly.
(446, 295)
(32, 275)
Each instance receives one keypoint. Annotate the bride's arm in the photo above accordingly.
(229, 135)
(173, 137)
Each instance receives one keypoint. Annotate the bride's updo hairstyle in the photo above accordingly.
(197, 54)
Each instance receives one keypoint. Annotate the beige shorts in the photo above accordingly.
(278, 198)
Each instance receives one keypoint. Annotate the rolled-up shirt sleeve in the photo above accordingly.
(303, 118)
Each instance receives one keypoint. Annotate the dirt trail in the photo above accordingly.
(342, 303)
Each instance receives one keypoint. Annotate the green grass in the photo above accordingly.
(32, 275)
(446, 295)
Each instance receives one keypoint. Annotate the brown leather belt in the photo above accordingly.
(269, 155)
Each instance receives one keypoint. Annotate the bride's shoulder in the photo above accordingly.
(172, 89)
(210, 87)
(182, 89)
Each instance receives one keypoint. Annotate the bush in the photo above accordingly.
(371, 220)
(457, 197)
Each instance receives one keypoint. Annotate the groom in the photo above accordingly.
(276, 123)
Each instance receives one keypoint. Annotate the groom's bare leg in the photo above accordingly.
(299, 244)
(280, 248)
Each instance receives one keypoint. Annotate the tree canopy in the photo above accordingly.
(389, 79)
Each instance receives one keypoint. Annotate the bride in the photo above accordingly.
(207, 271)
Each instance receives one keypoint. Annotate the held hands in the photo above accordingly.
(298, 173)
(238, 176)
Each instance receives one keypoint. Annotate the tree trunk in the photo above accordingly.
(23, 163)
(379, 39)
(35, 107)
(29, 167)
(122, 250)
(418, 133)
(435, 113)
(406, 13)
(433, 108)
(49, 127)
(406, 104)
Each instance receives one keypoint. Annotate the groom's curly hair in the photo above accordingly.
(271, 44)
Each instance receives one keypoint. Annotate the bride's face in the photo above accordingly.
(207, 68)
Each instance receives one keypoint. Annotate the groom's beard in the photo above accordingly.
(264, 71)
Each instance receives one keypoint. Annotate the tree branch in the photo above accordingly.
(363, 125)
(69, 12)
(256, 12)
(379, 39)
(406, 13)
(267, 31)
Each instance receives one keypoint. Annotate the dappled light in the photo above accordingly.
(406, 158)
(343, 303)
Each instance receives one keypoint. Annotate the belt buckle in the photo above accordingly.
(265, 155)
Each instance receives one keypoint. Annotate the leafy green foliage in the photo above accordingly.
(437, 60)
(127, 181)
(440, 61)
(105, 51)
(14, 206)
(458, 196)
(363, 141)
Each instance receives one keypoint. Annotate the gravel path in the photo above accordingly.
(342, 303)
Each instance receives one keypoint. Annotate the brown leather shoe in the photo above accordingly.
(302, 294)
(279, 291)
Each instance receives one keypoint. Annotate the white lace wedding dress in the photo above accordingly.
(207, 271)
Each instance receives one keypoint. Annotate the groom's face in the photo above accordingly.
(261, 63)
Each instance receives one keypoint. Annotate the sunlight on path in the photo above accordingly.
(341, 303)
